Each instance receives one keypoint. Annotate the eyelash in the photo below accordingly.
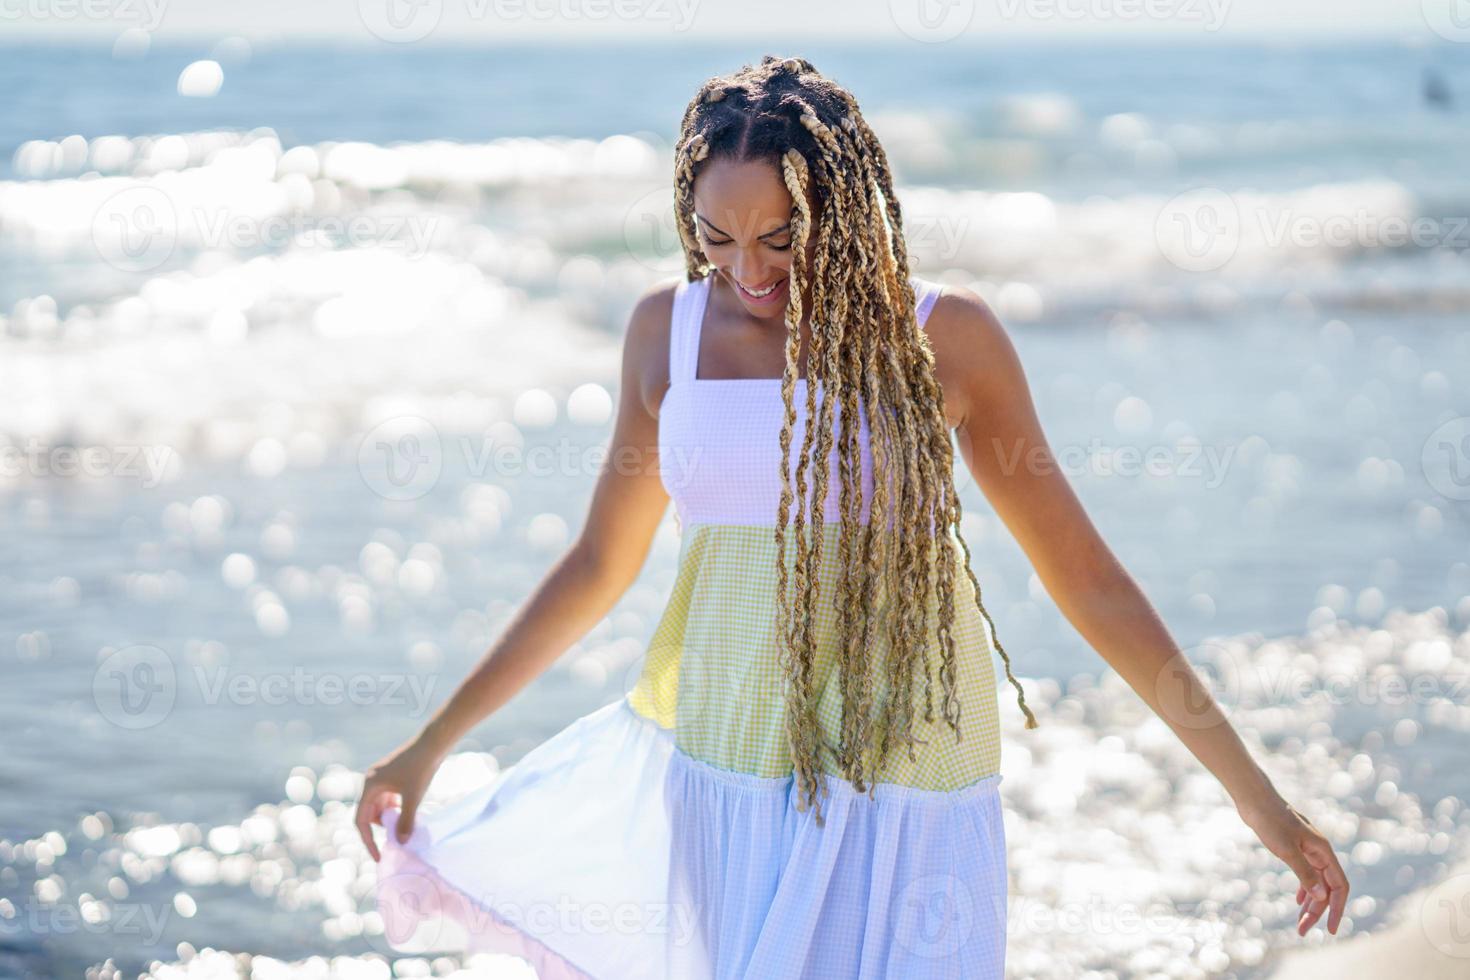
(778, 248)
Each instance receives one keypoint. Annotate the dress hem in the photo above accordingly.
(413, 888)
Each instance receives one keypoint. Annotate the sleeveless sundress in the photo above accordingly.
(659, 837)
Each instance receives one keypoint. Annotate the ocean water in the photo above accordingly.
(304, 386)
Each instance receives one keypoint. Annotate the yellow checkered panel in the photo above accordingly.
(713, 676)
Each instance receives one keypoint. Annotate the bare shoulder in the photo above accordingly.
(974, 358)
(962, 320)
(646, 344)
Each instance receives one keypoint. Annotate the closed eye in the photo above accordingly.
(726, 241)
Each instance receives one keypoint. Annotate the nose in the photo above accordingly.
(749, 268)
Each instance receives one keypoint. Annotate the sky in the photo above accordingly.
(924, 21)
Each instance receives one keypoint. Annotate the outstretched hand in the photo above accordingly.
(1322, 884)
(399, 779)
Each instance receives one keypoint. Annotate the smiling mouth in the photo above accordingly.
(760, 293)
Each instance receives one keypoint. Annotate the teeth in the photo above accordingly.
(764, 292)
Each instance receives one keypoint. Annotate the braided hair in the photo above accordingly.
(865, 342)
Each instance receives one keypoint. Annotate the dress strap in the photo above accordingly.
(687, 317)
(926, 294)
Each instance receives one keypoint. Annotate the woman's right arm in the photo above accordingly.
(628, 503)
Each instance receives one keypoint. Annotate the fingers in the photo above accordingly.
(1324, 885)
(1322, 857)
(1311, 912)
(1312, 892)
(406, 814)
(369, 808)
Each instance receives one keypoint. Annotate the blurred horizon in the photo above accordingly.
(755, 21)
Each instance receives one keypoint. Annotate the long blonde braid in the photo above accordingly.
(868, 353)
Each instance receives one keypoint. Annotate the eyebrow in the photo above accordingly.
(776, 231)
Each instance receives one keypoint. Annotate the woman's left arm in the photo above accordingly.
(1001, 441)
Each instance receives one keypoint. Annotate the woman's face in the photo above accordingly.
(742, 215)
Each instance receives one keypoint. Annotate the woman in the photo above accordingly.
(778, 796)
